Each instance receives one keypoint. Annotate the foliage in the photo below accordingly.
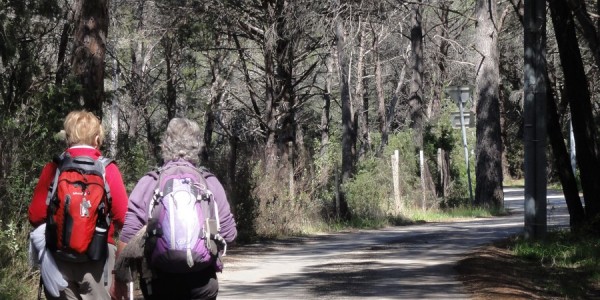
(439, 134)
(27, 144)
(16, 277)
(458, 194)
(402, 141)
(563, 250)
(134, 160)
(326, 164)
(239, 192)
(445, 215)
(278, 210)
(370, 192)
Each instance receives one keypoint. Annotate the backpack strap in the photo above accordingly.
(65, 161)
(212, 206)
(104, 162)
(156, 174)
(52, 189)
(209, 205)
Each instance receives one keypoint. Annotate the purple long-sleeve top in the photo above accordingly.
(139, 203)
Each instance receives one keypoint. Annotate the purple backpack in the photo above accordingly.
(183, 225)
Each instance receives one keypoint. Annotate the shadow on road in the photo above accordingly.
(405, 262)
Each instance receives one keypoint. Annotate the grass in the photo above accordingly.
(562, 252)
(413, 216)
(562, 249)
(17, 279)
(438, 215)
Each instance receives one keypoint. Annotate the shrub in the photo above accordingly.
(16, 277)
(370, 192)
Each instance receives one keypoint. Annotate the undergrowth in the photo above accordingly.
(16, 276)
(563, 252)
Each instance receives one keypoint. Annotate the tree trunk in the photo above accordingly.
(359, 94)
(284, 58)
(488, 149)
(580, 104)
(88, 54)
(217, 93)
(171, 96)
(503, 134)
(597, 13)
(271, 105)
(325, 112)
(279, 61)
(67, 30)
(348, 129)
(209, 116)
(587, 26)
(380, 92)
(441, 60)
(152, 136)
(136, 86)
(391, 111)
(562, 160)
(231, 167)
(113, 132)
(415, 100)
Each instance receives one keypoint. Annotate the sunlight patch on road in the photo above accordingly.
(512, 198)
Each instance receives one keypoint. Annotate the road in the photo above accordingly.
(404, 262)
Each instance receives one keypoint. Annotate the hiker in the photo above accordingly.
(86, 269)
(192, 276)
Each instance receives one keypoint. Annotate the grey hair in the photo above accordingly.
(181, 140)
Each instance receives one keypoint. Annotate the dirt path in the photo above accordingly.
(408, 262)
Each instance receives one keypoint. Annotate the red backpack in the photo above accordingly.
(78, 208)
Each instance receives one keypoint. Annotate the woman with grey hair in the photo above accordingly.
(181, 141)
(180, 147)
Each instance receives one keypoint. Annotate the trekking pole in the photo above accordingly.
(130, 285)
(40, 287)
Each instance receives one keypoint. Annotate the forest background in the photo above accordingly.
(302, 103)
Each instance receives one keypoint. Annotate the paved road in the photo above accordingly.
(406, 262)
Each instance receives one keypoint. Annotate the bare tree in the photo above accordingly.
(219, 80)
(416, 101)
(326, 110)
(361, 103)
(348, 124)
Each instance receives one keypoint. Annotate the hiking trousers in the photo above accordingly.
(86, 279)
(201, 285)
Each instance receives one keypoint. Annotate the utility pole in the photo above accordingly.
(535, 118)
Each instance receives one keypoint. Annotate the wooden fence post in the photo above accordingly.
(396, 179)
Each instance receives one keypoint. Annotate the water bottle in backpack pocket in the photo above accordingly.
(51, 235)
(98, 248)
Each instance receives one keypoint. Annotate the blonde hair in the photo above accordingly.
(82, 128)
(181, 140)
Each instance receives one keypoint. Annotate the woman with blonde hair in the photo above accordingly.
(87, 278)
